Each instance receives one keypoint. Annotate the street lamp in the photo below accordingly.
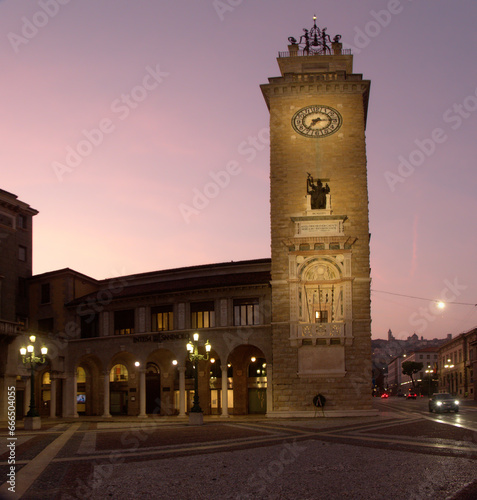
(32, 361)
(449, 365)
(196, 415)
(429, 373)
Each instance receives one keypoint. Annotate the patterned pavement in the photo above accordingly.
(104, 459)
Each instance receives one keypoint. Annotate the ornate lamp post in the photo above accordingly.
(32, 419)
(196, 416)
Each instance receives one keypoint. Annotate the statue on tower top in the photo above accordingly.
(314, 41)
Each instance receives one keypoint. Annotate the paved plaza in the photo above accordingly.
(393, 455)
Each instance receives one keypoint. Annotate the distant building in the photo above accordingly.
(394, 376)
(388, 355)
(457, 363)
(425, 379)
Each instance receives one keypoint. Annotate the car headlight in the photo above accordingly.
(439, 403)
(456, 402)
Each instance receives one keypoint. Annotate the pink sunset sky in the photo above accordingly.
(139, 132)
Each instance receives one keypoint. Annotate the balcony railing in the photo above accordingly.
(300, 53)
(320, 330)
(9, 328)
(318, 333)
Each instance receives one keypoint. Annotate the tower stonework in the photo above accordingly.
(320, 275)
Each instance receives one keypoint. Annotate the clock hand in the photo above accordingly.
(313, 121)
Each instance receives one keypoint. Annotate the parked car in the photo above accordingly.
(443, 401)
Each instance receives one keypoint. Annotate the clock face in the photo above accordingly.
(316, 121)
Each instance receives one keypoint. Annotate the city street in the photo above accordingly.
(466, 418)
(406, 452)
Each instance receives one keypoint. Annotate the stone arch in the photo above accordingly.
(161, 382)
(249, 394)
(92, 388)
(43, 388)
(322, 294)
(214, 372)
(323, 268)
(123, 393)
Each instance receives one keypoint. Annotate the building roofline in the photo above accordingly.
(59, 272)
(12, 202)
(191, 269)
(211, 276)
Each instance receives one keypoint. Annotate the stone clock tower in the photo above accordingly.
(321, 324)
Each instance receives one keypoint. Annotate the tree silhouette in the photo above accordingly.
(410, 368)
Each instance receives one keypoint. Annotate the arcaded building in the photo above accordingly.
(283, 330)
(120, 348)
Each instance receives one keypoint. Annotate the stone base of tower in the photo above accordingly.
(347, 391)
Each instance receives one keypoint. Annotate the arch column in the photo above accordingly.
(142, 393)
(181, 391)
(269, 388)
(106, 413)
(225, 392)
(75, 393)
(27, 396)
(53, 380)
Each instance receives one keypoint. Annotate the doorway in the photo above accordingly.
(153, 389)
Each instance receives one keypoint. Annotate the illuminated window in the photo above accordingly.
(162, 318)
(124, 322)
(321, 316)
(118, 373)
(80, 375)
(46, 379)
(246, 312)
(202, 315)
